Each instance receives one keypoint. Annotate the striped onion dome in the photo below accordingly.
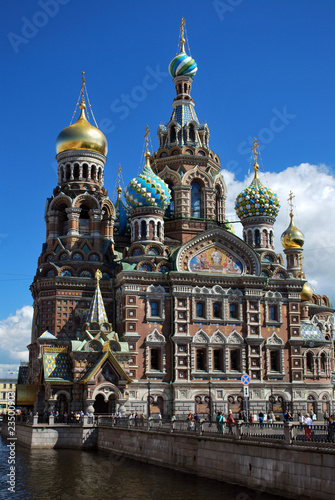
(147, 190)
(257, 200)
(183, 65)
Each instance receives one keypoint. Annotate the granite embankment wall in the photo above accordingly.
(57, 436)
(293, 471)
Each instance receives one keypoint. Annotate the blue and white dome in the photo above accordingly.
(183, 65)
(148, 190)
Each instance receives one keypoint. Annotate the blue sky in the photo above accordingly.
(266, 69)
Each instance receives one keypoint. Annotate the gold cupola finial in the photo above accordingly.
(290, 200)
(255, 166)
(81, 134)
(82, 104)
(98, 276)
(119, 188)
(147, 152)
(182, 38)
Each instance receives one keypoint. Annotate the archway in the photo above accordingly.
(100, 405)
(62, 405)
(311, 405)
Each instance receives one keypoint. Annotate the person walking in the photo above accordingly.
(308, 423)
(230, 423)
(219, 422)
(261, 419)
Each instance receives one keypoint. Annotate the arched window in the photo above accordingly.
(76, 171)
(235, 360)
(85, 169)
(233, 311)
(257, 238)
(200, 310)
(195, 200)
(143, 229)
(84, 220)
(172, 134)
(192, 133)
(323, 362)
(170, 209)
(201, 359)
(272, 313)
(274, 361)
(309, 362)
(216, 310)
(154, 308)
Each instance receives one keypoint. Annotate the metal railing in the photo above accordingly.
(286, 432)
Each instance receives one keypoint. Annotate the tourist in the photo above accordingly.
(331, 429)
(308, 423)
(261, 419)
(136, 419)
(160, 419)
(230, 423)
(196, 420)
(314, 417)
(301, 419)
(190, 422)
(219, 422)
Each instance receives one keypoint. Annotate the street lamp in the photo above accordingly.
(148, 409)
(210, 400)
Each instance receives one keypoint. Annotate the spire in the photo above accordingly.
(255, 165)
(97, 312)
(147, 152)
(119, 188)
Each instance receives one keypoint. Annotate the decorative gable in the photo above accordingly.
(218, 251)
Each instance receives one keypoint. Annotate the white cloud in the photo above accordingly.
(15, 334)
(314, 190)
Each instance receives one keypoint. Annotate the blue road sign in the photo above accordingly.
(245, 379)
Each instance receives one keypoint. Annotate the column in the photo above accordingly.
(73, 214)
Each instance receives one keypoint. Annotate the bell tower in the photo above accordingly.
(79, 231)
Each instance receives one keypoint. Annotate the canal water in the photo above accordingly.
(76, 475)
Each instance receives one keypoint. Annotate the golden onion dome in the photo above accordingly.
(306, 293)
(292, 237)
(82, 135)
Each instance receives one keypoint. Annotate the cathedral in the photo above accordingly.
(153, 304)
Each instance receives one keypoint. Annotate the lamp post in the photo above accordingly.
(148, 409)
(210, 399)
